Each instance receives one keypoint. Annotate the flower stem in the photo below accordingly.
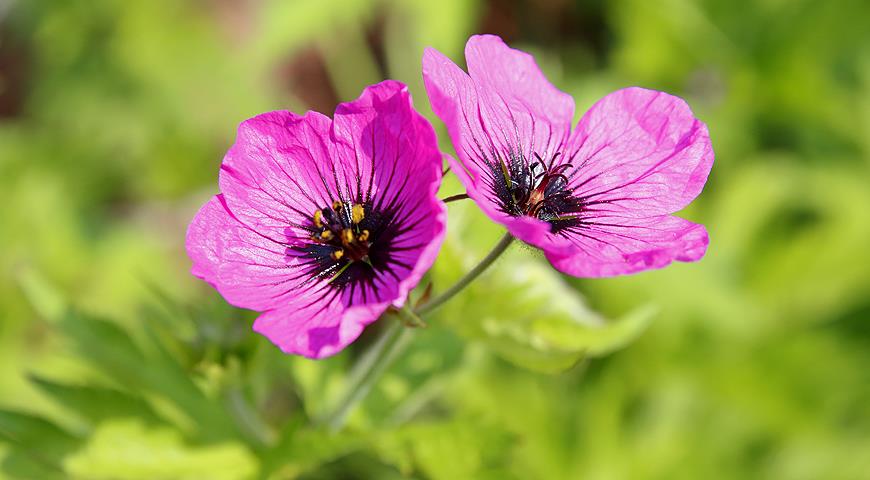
(463, 282)
(369, 369)
(411, 318)
(380, 355)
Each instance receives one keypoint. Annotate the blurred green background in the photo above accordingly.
(116, 364)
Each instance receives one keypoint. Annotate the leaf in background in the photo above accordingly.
(522, 307)
(96, 404)
(37, 446)
(461, 448)
(127, 450)
(320, 383)
(417, 377)
(303, 449)
(41, 294)
(112, 351)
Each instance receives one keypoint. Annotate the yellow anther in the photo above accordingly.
(336, 255)
(364, 236)
(347, 236)
(357, 213)
(318, 219)
(336, 205)
(326, 235)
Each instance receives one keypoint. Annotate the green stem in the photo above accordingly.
(369, 369)
(380, 355)
(475, 272)
(411, 318)
(246, 417)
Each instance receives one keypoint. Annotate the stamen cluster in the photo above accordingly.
(538, 189)
(342, 228)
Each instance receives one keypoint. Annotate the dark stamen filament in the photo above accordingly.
(538, 189)
(340, 227)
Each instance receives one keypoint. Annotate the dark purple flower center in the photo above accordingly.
(538, 189)
(341, 228)
(349, 242)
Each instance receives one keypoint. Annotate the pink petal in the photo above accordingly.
(394, 149)
(280, 170)
(639, 152)
(249, 269)
(505, 108)
(454, 98)
(316, 329)
(511, 83)
(620, 245)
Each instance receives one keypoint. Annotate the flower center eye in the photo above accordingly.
(342, 227)
(539, 189)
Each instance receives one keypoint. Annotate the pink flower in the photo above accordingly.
(597, 200)
(323, 224)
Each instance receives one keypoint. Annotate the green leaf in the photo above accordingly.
(167, 376)
(110, 349)
(42, 295)
(302, 449)
(127, 450)
(522, 307)
(31, 432)
(37, 445)
(24, 465)
(96, 404)
(319, 383)
(106, 345)
(415, 378)
(462, 448)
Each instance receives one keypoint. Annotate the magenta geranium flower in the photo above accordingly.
(597, 200)
(323, 224)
